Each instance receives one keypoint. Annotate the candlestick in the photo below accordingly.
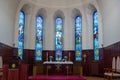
(51, 58)
(69, 56)
(47, 56)
(84, 57)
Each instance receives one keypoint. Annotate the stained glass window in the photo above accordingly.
(21, 34)
(39, 38)
(58, 38)
(95, 36)
(78, 38)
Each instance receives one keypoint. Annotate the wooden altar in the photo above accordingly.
(57, 67)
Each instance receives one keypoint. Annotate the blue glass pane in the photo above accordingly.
(39, 38)
(58, 38)
(78, 38)
(95, 36)
(21, 34)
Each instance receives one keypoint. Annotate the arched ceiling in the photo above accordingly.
(58, 3)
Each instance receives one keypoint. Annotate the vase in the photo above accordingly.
(50, 58)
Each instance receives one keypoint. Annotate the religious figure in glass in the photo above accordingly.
(21, 34)
(78, 38)
(58, 38)
(95, 36)
(39, 38)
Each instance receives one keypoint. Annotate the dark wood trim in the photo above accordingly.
(106, 55)
(110, 52)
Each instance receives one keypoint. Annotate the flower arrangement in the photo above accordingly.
(65, 57)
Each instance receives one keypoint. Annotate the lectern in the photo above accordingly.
(13, 71)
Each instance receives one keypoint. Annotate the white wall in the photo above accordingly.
(110, 24)
(7, 20)
(49, 26)
(111, 20)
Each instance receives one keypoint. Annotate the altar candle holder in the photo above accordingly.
(47, 56)
(84, 57)
(69, 56)
(51, 58)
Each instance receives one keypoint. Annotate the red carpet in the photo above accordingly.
(56, 77)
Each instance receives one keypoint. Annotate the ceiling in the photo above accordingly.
(57, 2)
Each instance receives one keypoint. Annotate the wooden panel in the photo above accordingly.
(78, 70)
(106, 55)
(13, 74)
(86, 64)
(5, 72)
(38, 70)
(6, 53)
(97, 68)
(94, 68)
(58, 69)
(23, 71)
(110, 52)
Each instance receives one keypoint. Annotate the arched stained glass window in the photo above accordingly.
(21, 34)
(95, 35)
(39, 38)
(58, 38)
(78, 38)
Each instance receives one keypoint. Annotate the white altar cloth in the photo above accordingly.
(57, 62)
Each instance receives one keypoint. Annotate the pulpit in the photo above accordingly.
(23, 71)
(13, 71)
(5, 72)
(13, 74)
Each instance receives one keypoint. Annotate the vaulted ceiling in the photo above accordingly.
(58, 2)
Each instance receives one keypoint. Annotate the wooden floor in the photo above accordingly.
(99, 78)
(94, 78)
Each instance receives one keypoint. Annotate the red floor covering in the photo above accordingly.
(56, 77)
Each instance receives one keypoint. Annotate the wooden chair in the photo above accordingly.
(118, 67)
(1, 66)
(118, 64)
(108, 72)
(111, 73)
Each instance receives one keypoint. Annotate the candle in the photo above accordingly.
(69, 54)
(47, 54)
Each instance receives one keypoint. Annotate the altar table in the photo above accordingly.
(58, 67)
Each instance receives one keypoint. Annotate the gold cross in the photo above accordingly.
(58, 67)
